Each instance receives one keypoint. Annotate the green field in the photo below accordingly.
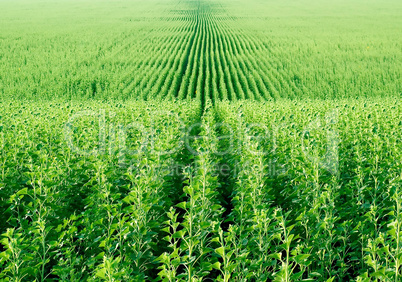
(209, 140)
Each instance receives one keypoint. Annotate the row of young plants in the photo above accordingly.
(193, 224)
(259, 243)
(333, 169)
(159, 71)
(207, 60)
(230, 54)
(85, 188)
(191, 68)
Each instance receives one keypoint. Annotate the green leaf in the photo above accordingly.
(101, 273)
(277, 256)
(127, 199)
(181, 205)
(216, 265)
(22, 192)
(179, 234)
(163, 258)
(296, 276)
(166, 229)
(301, 259)
(220, 251)
(100, 255)
(216, 239)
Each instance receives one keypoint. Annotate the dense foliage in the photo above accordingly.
(132, 191)
(200, 141)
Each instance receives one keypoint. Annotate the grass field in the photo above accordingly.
(210, 140)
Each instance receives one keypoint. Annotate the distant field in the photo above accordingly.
(225, 49)
(209, 140)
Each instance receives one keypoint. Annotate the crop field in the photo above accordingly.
(201, 140)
